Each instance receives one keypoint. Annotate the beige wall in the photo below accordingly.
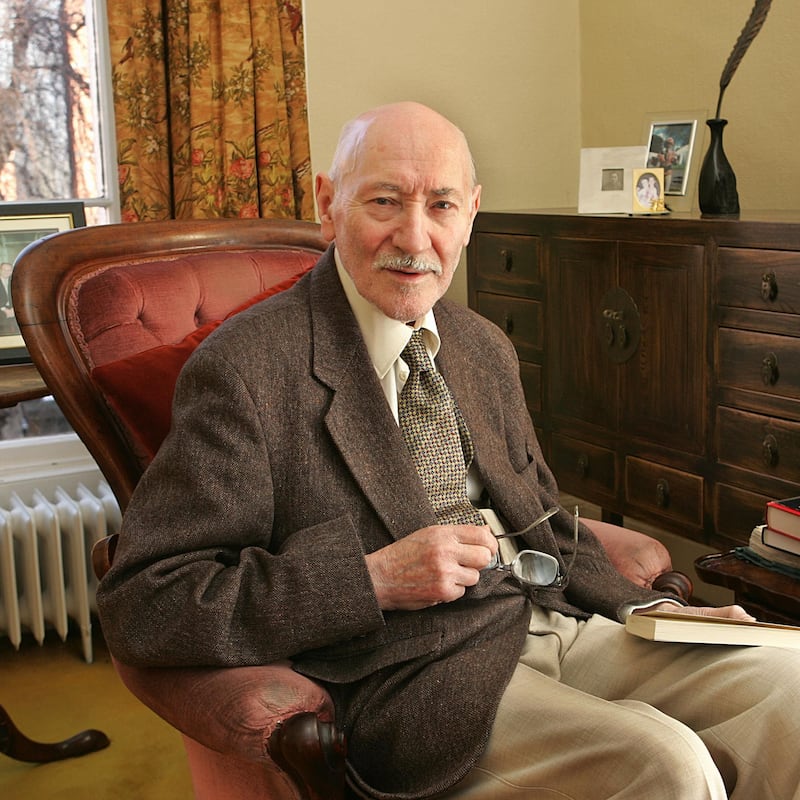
(506, 72)
(641, 57)
(531, 81)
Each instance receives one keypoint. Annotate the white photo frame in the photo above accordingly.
(653, 120)
(606, 179)
(670, 145)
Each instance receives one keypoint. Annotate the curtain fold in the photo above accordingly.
(211, 109)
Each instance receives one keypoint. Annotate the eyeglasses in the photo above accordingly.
(533, 567)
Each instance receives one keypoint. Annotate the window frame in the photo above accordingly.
(46, 456)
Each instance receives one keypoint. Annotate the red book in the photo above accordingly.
(783, 516)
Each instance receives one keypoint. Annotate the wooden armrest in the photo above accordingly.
(103, 554)
(675, 582)
(312, 753)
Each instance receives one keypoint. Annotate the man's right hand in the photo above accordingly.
(430, 566)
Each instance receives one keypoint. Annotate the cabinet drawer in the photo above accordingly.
(759, 362)
(520, 319)
(531, 375)
(585, 470)
(737, 512)
(665, 491)
(759, 443)
(508, 263)
(759, 279)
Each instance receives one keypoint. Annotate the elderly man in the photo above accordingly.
(304, 506)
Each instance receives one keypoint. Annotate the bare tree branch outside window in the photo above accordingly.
(49, 144)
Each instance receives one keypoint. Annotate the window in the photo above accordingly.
(57, 138)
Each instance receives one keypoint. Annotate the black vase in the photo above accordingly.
(716, 190)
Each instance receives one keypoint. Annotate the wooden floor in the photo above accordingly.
(51, 693)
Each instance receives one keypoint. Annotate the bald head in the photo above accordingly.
(404, 118)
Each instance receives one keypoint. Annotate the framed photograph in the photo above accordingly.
(670, 147)
(648, 191)
(21, 224)
(606, 179)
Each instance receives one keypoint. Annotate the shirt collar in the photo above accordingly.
(385, 338)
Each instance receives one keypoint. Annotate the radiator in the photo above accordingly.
(46, 576)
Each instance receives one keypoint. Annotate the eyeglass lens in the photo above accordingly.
(541, 569)
(536, 568)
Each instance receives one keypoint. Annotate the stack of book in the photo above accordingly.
(779, 539)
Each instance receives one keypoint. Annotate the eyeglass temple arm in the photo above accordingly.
(535, 524)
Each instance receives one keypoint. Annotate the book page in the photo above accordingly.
(669, 615)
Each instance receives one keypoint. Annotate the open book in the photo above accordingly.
(662, 626)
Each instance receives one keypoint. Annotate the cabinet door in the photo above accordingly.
(582, 381)
(662, 385)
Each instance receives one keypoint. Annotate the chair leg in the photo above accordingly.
(313, 754)
(16, 745)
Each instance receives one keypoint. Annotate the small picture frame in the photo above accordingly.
(606, 175)
(648, 191)
(670, 146)
(21, 224)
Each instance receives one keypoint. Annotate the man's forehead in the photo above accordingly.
(410, 187)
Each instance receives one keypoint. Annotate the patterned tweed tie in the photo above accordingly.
(436, 436)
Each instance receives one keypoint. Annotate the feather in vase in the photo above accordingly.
(749, 32)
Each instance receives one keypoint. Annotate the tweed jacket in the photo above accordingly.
(244, 542)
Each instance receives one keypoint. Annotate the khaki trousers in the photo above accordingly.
(593, 713)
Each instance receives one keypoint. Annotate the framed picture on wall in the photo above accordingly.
(21, 224)
(670, 146)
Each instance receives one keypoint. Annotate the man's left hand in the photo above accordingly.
(731, 612)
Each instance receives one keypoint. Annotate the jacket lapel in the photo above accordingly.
(468, 371)
(374, 452)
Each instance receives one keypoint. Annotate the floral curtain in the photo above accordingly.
(211, 111)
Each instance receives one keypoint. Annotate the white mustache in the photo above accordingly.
(407, 263)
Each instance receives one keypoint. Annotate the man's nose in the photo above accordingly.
(412, 234)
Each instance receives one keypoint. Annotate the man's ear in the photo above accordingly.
(324, 193)
(475, 204)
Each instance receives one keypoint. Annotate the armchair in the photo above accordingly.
(109, 311)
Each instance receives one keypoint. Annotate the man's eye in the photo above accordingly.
(382, 201)
(445, 205)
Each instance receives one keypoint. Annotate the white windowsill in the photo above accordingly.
(26, 464)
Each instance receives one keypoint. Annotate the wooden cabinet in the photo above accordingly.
(660, 358)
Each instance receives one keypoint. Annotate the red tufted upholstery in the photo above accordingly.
(136, 306)
(91, 296)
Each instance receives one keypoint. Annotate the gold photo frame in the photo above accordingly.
(648, 191)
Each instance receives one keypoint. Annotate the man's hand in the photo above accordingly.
(732, 612)
(430, 566)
